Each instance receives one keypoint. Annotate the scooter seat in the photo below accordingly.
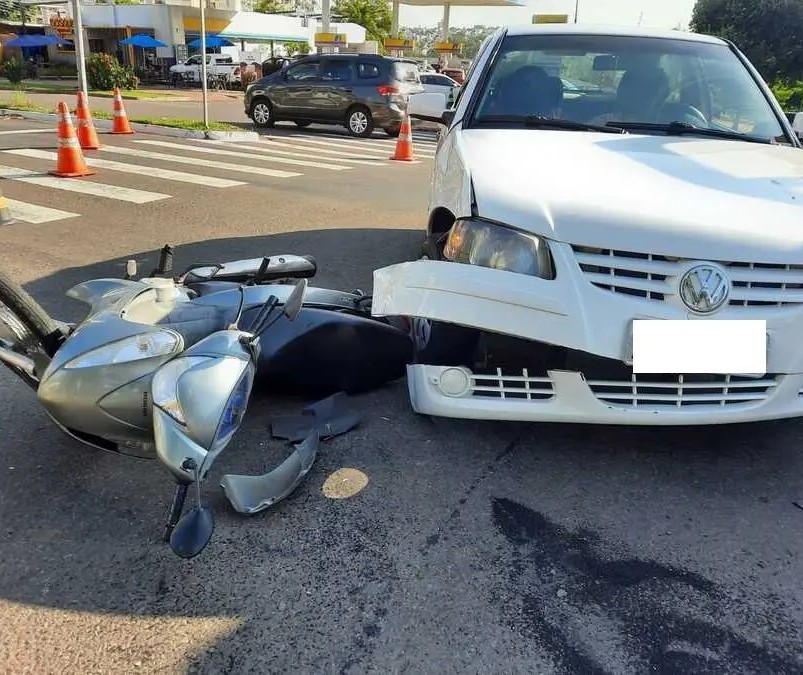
(195, 321)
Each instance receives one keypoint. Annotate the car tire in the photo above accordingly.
(441, 344)
(302, 124)
(394, 132)
(359, 122)
(262, 113)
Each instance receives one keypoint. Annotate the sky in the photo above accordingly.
(652, 13)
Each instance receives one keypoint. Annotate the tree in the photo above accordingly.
(373, 15)
(769, 32)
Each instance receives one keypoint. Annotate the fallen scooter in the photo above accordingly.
(164, 367)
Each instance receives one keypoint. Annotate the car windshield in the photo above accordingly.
(604, 79)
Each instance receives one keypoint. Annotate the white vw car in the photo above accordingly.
(627, 254)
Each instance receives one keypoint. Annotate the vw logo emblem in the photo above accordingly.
(704, 288)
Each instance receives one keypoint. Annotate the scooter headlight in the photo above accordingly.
(164, 386)
(235, 408)
(134, 348)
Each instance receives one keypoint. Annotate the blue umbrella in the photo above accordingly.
(211, 41)
(142, 40)
(36, 41)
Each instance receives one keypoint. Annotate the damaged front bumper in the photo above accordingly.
(571, 313)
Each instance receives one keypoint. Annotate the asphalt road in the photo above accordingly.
(473, 547)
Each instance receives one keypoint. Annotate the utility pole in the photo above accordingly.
(203, 66)
(576, 9)
(326, 18)
(80, 52)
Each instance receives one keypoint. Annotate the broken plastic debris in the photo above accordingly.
(330, 417)
(252, 494)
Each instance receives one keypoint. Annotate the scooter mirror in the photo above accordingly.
(193, 532)
(293, 304)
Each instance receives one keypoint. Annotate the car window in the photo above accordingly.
(303, 71)
(336, 70)
(485, 44)
(628, 79)
(426, 79)
(406, 72)
(193, 60)
(367, 70)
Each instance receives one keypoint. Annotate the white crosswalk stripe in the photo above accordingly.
(234, 153)
(82, 186)
(138, 169)
(33, 213)
(327, 152)
(207, 163)
(26, 131)
(369, 148)
(270, 149)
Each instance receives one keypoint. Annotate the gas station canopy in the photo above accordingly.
(447, 5)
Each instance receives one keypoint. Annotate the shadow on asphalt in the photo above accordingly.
(373, 581)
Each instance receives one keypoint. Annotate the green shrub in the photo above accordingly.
(104, 72)
(789, 95)
(14, 70)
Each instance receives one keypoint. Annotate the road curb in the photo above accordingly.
(232, 136)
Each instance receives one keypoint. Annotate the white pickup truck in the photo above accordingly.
(215, 64)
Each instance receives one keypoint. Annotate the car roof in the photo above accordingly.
(614, 30)
(363, 57)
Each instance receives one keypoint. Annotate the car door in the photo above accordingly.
(336, 89)
(292, 95)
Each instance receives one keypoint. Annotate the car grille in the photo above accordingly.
(653, 277)
(498, 384)
(683, 390)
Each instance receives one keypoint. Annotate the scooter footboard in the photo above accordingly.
(324, 352)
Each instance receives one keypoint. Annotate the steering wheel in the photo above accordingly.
(681, 112)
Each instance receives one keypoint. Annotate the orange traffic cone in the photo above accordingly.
(404, 146)
(120, 125)
(87, 136)
(70, 162)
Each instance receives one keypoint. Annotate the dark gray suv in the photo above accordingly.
(359, 91)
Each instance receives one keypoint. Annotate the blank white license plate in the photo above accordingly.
(700, 346)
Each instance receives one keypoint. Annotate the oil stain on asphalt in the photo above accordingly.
(596, 615)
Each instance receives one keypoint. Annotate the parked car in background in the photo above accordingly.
(457, 74)
(359, 91)
(216, 64)
(440, 83)
(571, 234)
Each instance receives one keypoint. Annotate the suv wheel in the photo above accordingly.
(302, 123)
(359, 122)
(262, 113)
(393, 132)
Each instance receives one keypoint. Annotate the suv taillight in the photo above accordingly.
(387, 90)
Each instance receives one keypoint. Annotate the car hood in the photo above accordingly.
(673, 195)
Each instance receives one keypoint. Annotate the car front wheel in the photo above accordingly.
(442, 344)
(359, 122)
(262, 113)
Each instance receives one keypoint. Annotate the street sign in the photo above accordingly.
(331, 40)
(447, 47)
(398, 43)
(550, 18)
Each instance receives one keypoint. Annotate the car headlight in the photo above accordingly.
(134, 348)
(164, 385)
(479, 242)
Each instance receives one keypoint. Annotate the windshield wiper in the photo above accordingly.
(541, 122)
(680, 128)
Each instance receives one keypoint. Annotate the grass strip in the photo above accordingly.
(173, 122)
(56, 88)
